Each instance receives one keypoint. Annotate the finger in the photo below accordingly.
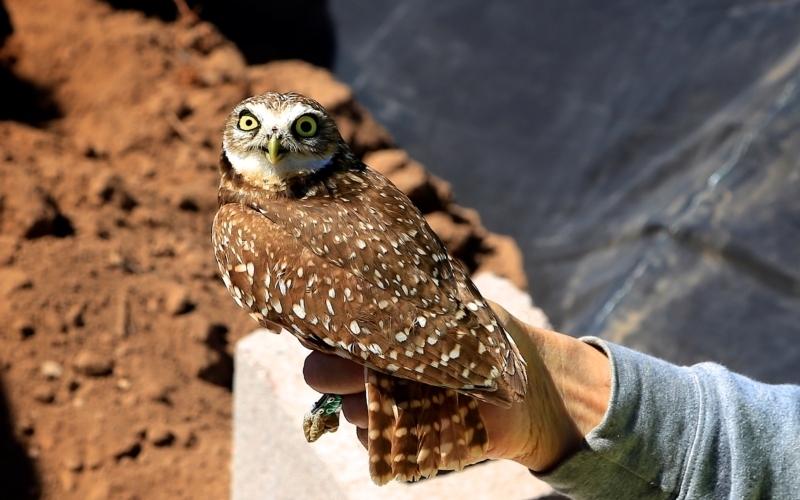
(354, 407)
(329, 374)
(361, 433)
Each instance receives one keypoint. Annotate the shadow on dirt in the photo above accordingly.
(18, 477)
(263, 31)
(30, 104)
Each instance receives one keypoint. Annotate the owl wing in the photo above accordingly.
(371, 228)
(374, 294)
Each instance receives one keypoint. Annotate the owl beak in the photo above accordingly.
(274, 149)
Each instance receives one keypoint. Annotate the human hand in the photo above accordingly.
(568, 391)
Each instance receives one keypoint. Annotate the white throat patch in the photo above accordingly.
(255, 165)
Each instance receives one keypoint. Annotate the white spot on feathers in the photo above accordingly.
(299, 309)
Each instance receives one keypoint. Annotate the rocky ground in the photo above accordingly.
(116, 332)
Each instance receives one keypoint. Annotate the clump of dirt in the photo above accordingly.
(117, 332)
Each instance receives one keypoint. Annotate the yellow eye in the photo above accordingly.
(305, 126)
(247, 122)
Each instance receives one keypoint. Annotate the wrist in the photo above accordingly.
(556, 427)
(580, 372)
(569, 384)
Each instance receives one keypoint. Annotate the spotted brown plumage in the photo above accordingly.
(311, 240)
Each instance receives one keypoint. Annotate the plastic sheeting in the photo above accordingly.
(645, 157)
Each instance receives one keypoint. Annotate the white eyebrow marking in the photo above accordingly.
(282, 119)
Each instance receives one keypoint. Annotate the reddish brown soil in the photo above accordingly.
(116, 332)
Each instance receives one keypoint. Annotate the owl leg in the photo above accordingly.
(381, 419)
(322, 417)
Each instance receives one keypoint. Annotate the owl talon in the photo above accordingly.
(322, 417)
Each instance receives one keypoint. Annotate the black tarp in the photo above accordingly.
(646, 156)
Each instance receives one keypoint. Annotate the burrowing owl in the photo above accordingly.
(310, 239)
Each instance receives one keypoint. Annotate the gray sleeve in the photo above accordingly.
(686, 433)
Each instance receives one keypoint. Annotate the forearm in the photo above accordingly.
(676, 432)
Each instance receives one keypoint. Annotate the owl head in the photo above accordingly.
(271, 137)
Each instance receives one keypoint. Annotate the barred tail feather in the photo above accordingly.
(415, 430)
(476, 436)
(453, 443)
(380, 407)
(405, 441)
(428, 454)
